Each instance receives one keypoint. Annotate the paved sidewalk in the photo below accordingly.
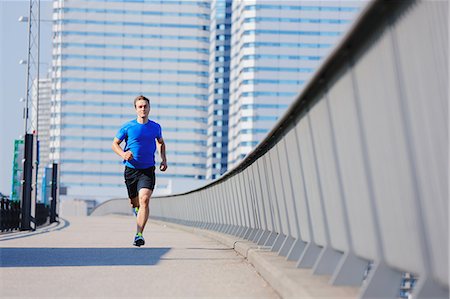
(283, 275)
(93, 257)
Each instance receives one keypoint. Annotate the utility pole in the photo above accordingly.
(30, 162)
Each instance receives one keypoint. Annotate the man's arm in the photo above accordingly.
(162, 153)
(128, 155)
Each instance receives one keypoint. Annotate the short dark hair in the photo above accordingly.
(139, 98)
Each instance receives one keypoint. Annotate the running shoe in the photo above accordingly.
(138, 240)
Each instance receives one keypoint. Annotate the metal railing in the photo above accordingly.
(9, 214)
(27, 214)
(356, 171)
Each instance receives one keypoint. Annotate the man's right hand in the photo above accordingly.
(127, 156)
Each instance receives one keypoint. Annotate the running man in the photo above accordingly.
(139, 159)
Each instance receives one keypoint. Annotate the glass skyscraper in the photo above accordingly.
(107, 52)
(218, 73)
(43, 124)
(219, 85)
(275, 48)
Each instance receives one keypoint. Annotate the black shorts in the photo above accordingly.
(135, 179)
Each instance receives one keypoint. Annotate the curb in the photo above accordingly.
(282, 275)
(55, 226)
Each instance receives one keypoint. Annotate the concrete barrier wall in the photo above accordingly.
(357, 169)
(113, 206)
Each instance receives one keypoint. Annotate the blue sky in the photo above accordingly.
(14, 47)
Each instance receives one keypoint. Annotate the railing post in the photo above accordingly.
(54, 193)
(27, 181)
(3, 213)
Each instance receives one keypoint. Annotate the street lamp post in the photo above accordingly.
(31, 108)
(29, 180)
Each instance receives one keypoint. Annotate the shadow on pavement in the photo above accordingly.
(64, 257)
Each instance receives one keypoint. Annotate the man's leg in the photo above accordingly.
(134, 202)
(144, 200)
(131, 183)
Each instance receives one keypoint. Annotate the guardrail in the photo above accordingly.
(113, 206)
(9, 214)
(356, 171)
(16, 215)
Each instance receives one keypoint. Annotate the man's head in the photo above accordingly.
(142, 106)
(141, 98)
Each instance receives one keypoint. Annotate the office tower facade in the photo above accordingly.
(107, 52)
(275, 48)
(42, 125)
(219, 82)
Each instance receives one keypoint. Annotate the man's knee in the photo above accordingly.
(144, 197)
(144, 201)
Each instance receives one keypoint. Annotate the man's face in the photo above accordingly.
(142, 108)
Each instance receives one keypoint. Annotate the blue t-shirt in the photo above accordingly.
(140, 140)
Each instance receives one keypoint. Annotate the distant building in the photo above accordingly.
(42, 125)
(219, 86)
(105, 54)
(275, 48)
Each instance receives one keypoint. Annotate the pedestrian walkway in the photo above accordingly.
(93, 257)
